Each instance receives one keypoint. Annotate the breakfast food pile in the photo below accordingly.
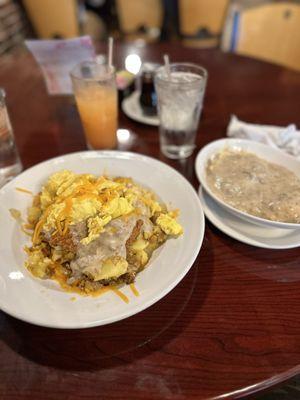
(90, 232)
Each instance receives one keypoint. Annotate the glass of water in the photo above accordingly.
(180, 96)
(10, 163)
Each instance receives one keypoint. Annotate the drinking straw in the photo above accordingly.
(167, 65)
(110, 51)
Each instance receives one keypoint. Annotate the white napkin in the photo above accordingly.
(286, 139)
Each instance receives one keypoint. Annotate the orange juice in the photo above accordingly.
(98, 108)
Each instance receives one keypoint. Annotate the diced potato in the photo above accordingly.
(142, 257)
(112, 267)
(38, 264)
(33, 214)
(139, 244)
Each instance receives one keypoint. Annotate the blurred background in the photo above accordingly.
(264, 29)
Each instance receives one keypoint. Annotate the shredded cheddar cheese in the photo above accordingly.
(58, 225)
(28, 226)
(66, 225)
(37, 231)
(25, 231)
(134, 290)
(120, 294)
(24, 190)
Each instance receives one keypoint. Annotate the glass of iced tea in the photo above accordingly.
(95, 91)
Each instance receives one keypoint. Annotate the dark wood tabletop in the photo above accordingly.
(231, 327)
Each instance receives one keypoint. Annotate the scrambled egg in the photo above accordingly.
(72, 198)
(95, 227)
(169, 225)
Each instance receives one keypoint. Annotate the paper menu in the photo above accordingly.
(57, 58)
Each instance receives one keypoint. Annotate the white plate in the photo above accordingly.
(261, 150)
(43, 302)
(131, 107)
(237, 228)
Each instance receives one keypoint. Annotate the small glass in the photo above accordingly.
(10, 163)
(180, 98)
(96, 97)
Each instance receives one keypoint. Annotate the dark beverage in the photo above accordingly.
(148, 99)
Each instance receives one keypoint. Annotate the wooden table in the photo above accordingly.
(230, 328)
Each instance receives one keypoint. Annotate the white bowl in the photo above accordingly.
(43, 302)
(266, 152)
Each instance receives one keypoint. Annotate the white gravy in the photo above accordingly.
(254, 185)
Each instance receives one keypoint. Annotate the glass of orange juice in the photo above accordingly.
(95, 91)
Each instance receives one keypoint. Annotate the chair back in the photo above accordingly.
(268, 30)
(53, 18)
(139, 16)
(202, 20)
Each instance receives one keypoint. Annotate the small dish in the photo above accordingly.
(131, 107)
(245, 232)
(268, 153)
(43, 302)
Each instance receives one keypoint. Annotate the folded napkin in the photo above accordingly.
(286, 139)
